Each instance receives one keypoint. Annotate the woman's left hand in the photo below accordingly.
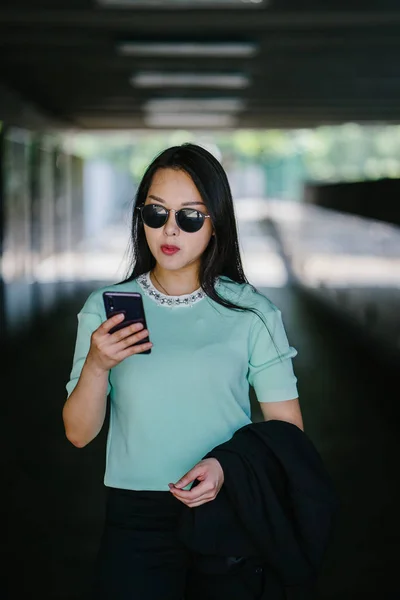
(211, 476)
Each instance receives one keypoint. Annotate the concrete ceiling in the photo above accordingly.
(313, 61)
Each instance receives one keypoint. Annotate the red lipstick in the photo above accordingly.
(169, 250)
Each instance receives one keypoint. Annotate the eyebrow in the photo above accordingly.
(183, 204)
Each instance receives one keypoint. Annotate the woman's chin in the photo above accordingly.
(175, 262)
(170, 263)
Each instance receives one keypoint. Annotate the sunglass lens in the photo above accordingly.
(190, 220)
(154, 216)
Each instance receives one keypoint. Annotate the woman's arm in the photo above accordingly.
(85, 409)
(287, 410)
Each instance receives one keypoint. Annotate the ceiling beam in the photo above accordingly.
(67, 40)
(208, 20)
(16, 110)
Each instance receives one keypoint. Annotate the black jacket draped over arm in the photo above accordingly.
(278, 504)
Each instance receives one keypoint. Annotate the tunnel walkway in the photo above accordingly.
(56, 495)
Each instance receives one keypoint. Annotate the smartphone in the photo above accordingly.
(131, 305)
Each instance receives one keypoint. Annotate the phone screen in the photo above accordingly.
(131, 305)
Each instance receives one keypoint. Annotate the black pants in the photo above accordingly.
(141, 557)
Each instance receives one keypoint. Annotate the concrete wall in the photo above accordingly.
(348, 264)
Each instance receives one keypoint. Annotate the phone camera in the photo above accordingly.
(111, 303)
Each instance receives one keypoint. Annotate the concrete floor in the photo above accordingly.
(55, 492)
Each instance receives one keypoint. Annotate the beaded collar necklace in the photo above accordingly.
(185, 300)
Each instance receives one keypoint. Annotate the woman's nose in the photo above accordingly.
(170, 226)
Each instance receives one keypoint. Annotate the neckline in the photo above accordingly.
(163, 299)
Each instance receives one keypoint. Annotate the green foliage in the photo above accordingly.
(347, 152)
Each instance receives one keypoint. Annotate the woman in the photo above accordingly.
(211, 336)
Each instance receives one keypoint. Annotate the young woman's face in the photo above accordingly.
(175, 189)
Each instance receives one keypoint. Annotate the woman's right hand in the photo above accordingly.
(107, 350)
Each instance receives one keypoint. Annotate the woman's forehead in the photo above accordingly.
(169, 185)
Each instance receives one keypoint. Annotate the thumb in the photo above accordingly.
(188, 478)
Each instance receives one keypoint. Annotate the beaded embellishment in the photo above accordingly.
(186, 300)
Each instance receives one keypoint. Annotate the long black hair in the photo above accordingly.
(222, 255)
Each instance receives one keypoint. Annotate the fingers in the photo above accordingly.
(107, 350)
(210, 478)
(130, 345)
(127, 336)
(196, 499)
(199, 502)
(124, 342)
(132, 339)
(203, 489)
(134, 350)
(190, 476)
(123, 333)
(111, 322)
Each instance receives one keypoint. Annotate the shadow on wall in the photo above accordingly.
(371, 199)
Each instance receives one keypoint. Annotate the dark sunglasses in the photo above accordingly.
(187, 219)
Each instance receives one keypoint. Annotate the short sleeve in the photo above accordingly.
(270, 370)
(88, 322)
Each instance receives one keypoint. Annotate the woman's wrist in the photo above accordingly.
(93, 368)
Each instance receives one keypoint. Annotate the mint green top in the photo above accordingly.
(170, 407)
